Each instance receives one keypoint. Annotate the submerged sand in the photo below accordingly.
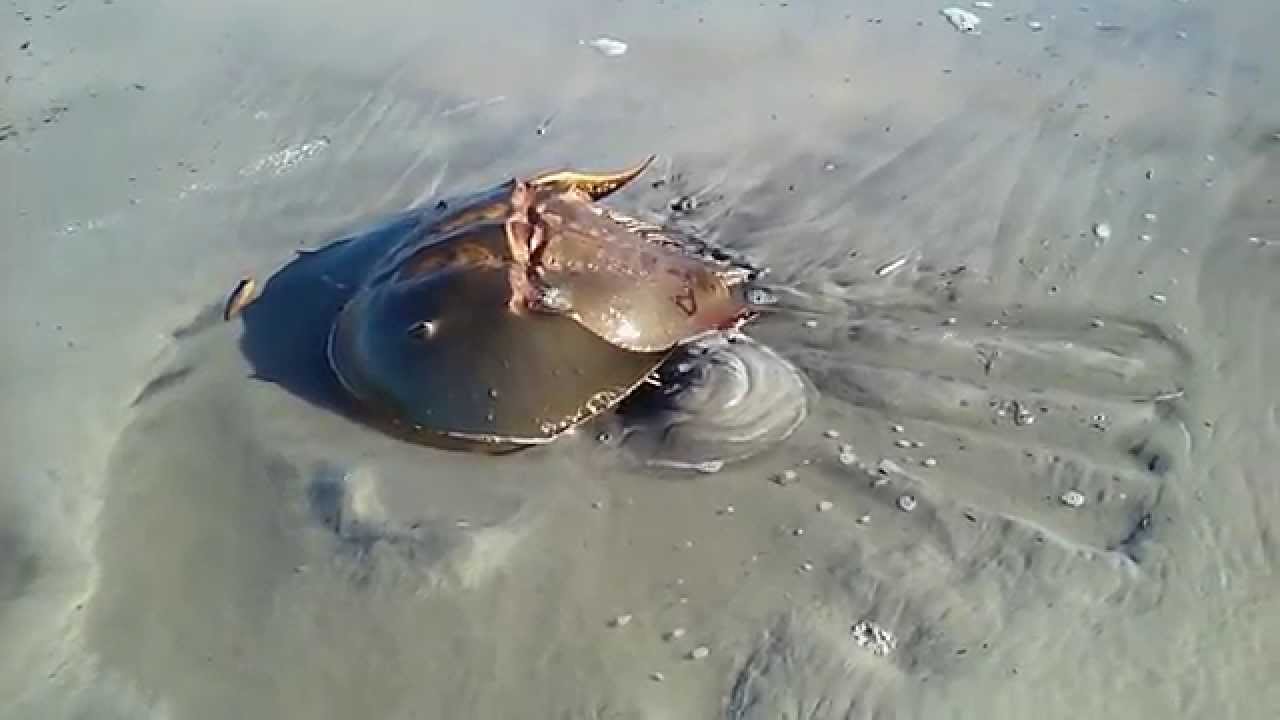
(1041, 272)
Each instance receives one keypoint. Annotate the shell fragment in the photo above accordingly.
(608, 46)
(962, 20)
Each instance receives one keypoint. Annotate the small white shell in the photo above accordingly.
(961, 19)
(608, 46)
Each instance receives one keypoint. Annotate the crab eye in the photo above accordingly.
(422, 330)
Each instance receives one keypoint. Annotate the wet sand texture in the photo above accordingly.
(1031, 274)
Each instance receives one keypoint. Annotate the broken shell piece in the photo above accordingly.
(962, 20)
(892, 266)
(608, 46)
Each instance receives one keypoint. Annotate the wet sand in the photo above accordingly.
(1031, 274)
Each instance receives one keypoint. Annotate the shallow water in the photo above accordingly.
(180, 539)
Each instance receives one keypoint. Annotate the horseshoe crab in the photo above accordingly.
(508, 317)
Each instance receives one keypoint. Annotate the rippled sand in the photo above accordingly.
(1039, 269)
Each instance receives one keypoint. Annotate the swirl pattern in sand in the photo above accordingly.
(722, 398)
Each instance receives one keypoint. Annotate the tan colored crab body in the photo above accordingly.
(515, 314)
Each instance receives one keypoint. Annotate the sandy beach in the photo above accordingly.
(1031, 271)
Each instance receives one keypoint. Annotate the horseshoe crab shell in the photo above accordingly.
(636, 293)
(429, 341)
(440, 353)
(494, 320)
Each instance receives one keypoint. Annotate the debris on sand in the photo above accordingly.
(607, 46)
(892, 266)
(786, 477)
(871, 636)
(1072, 498)
(962, 20)
(245, 292)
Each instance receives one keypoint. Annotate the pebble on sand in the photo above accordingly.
(888, 467)
(846, 456)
